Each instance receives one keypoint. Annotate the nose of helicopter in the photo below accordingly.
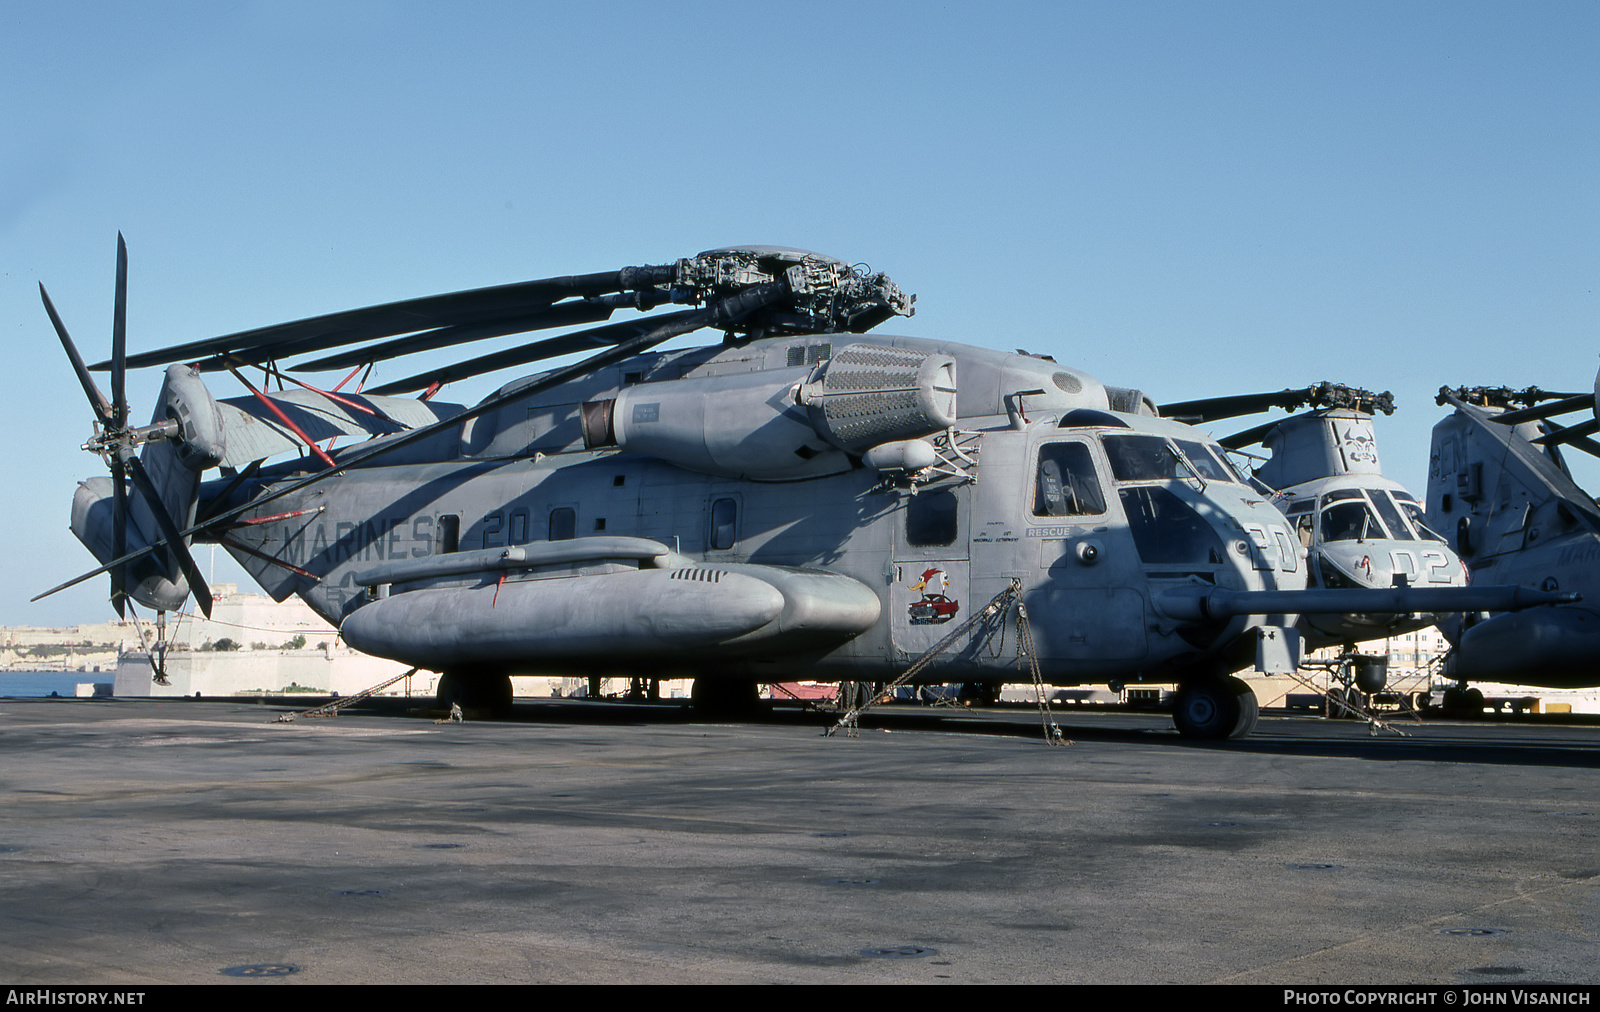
(1383, 563)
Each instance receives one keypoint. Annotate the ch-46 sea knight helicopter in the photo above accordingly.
(802, 500)
(1357, 527)
(1498, 485)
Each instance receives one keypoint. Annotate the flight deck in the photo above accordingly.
(180, 841)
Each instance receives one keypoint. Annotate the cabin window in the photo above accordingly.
(1067, 484)
(449, 533)
(1307, 527)
(724, 523)
(563, 524)
(931, 519)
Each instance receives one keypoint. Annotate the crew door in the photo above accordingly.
(928, 595)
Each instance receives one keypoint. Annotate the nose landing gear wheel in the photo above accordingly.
(1216, 708)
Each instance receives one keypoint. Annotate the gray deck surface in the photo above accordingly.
(167, 842)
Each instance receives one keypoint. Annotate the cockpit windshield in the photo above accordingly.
(1350, 520)
(1144, 458)
(1413, 512)
(1210, 466)
(1391, 516)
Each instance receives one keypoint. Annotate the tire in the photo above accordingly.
(1216, 708)
(980, 693)
(448, 692)
(1463, 704)
(476, 692)
(721, 699)
(1353, 701)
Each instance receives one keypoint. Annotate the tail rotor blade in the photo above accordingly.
(170, 531)
(97, 400)
(119, 340)
(119, 535)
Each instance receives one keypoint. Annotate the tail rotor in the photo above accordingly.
(118, 444)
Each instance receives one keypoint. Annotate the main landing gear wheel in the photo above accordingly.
(718, 698)
(1463, 703)
(482, 693)
(1216, 708)
(979, 693)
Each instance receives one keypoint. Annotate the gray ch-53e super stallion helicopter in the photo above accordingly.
(1497, 483)
(801, 500)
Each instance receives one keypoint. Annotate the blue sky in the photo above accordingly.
(1191, 198)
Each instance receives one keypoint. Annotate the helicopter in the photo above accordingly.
(802, 499)
(1498, 483)
(1358, 528)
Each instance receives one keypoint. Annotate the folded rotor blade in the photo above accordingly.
(405, 317)
(555, 347)
(667, 327)
(1587, 445)
(1575, 402)
(97, 400)
(1567, 433)
(1210, 409)
(1249, 436)
(563, 314)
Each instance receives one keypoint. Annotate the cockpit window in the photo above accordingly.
(1391, 516)
(1143, 458)
(1167, 531)
(1351, 520)
(1239, 475)
(1413, 512)
(1205, 462)
(1067, 483)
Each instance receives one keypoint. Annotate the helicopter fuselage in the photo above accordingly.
(846, 574)
(1365, 530)
(1517, 518)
